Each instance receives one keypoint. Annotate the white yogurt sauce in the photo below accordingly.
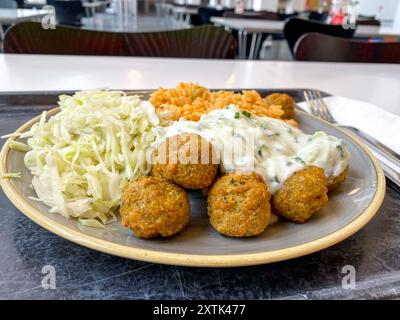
(270, 147)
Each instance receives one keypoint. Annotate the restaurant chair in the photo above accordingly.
(31, 38)
(296, 27)
(368, 22)
(317, 16)
(68, 12)
(198, 42)
(320, 47)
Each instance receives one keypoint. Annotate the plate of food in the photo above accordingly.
(191, 176)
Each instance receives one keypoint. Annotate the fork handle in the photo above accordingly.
(392, 154)
(391, 161)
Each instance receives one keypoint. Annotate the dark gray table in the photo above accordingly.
(25, 248)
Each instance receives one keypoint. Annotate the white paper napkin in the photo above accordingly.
(380, 124)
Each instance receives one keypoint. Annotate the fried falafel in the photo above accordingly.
(238, 205)
(153, 206)
(285, 101)
(302, 195)
(337, 181)
(186, 159)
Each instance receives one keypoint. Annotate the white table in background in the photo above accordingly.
(374, 83)
(36, 2)
(378, 31)
(255, 27)
(11, 16)
(90, 7)
(182, 14)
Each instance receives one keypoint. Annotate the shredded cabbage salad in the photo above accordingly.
(82, 157)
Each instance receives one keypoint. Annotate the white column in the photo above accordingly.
(396, 23)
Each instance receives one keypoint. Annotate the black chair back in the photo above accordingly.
(68, 12)
(368, 22)
(296, 27)
(320, 47)
(318, 16)
(261, 15)
(199, 42)
(206, 13)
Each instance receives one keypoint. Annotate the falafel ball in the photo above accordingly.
(336, 181)
(187, 160)
(238, 205)
(302, 195)
(152, 206)
(285, 101)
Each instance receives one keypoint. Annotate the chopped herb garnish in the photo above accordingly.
(238, 135)
(289, 163)
(237, 115)
(274, 135)
(300, 160)
(260, 152)
(246, 113)
(274, 179)
(340, 148)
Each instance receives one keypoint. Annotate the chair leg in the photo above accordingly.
(258, 46)
(1, 33)
(253, 45)
(239, 44)
(244, 42)
(242, 39)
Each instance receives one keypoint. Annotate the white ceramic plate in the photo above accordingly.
(349, 209)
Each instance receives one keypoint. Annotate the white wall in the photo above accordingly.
(269, 5)
(371, 8)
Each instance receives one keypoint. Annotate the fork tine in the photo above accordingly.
(314, 100)
(324, 108)
(313, 104)
(310, 104)
(305, 93)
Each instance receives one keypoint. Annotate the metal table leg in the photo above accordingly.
(1, 33)
(240, 35)
(258, 46)
(255, 45)
(244, 44)
(252, 45)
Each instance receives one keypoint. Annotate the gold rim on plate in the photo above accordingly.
(171, 258)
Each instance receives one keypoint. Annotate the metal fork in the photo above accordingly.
(318, 108)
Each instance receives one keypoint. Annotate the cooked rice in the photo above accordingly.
(190, 101)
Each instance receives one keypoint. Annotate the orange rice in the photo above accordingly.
(190, 101)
